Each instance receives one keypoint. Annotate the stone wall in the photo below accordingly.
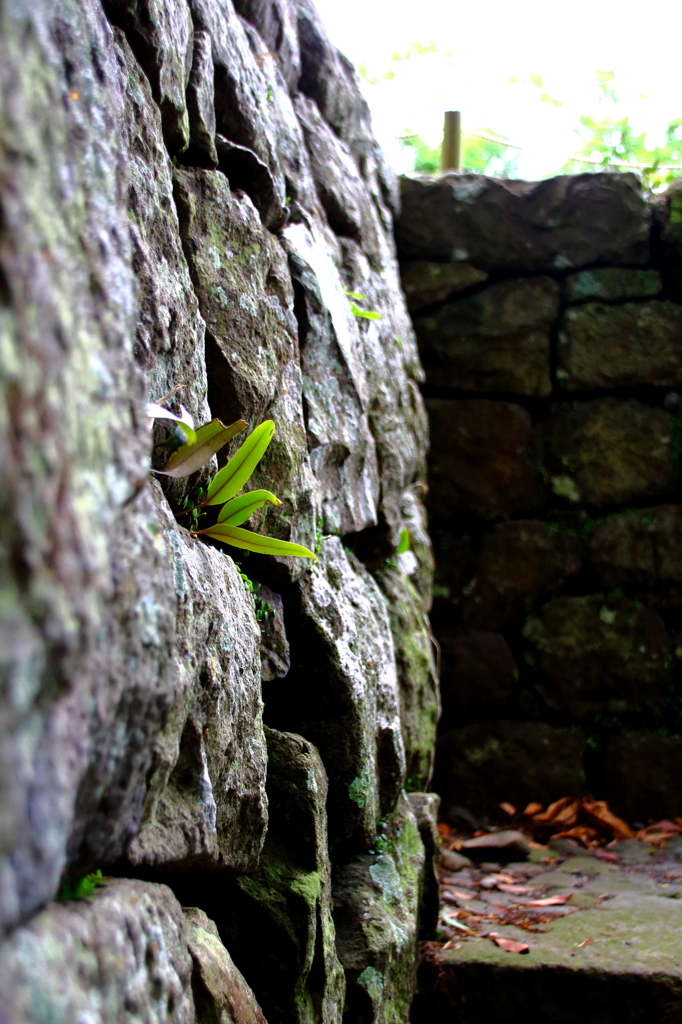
(188, 188)
(550, 327)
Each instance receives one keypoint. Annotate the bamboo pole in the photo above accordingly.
(451, 151)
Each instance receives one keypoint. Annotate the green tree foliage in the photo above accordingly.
(609, 142)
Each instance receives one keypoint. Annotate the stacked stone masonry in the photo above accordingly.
(188, 189)
(549, 324)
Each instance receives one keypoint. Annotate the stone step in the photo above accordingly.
(615, 958)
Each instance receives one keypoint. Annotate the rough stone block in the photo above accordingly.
(160, 34)
(478, 766)
(203, 779)
(241, 277)
(520, 562)
(609, 284)
(417, 677)
(117, 958)
(342, 192)
(606, 452)
(200, 105)
(640, 548)
(639, 774)
(496, 340)
(275, 22)
(342, 449)
(425, 809)
(481, 459)
(376, 905)
(596, 655)
(602, 346)
(219, 989)
(277, 921)
(425, 283)
(521, 226)
(342, 692)
(170, 329)
(478, 676)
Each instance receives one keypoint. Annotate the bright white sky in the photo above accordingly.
(494, 41)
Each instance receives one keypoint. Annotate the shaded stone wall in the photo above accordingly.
(549, 325)
(187, 190)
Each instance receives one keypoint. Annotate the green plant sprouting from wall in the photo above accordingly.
(365, 314)
(199, 446)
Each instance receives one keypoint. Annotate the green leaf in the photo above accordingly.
(250, 541)
(403, 543)
(184, 420)
(368, 314)
(234, 475)
(238, 510)
(354, 295)
(209, 439)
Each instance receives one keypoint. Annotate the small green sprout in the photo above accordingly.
(403, 543)
(83, 888)
(366, 314)
(223, 488)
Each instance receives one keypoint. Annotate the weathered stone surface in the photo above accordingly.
(496, 340)
(205, 785)
(73, 441)
(160, 33)
(342, 450)
(420, 566)
(246, 172)
(169, 328)
(342, 692)
(274, 646)
(331, 80)
(117, 958)
(425, 809)
(478, 766)
(220, 992)
(520, 561)
(275, 22)
(609, 284)
(478, 676)
(593, 654)
(425, 283)
(277, 921)
(200, 105)
(341, 190)
(376, 899)
(480, 459)
(417, 677)
(639, 775)
(640, 548)
(252, 104)
(603, 346)
(606, 452)
(241, 276)
(521, 226)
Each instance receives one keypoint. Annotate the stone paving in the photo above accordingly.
(610, 951)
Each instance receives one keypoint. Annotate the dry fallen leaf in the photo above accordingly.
(584, 942)
(606, 855)
(549, 901)
(598, 810)
(490, 881)
(508, 808)
(509, 945)
(532, 809)
(516, 890)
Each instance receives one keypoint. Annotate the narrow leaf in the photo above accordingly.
(184, 420)
(254, 541)
(403, 543)
(209, 439)
(234, 475)
(238, 510)
(368, 314)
